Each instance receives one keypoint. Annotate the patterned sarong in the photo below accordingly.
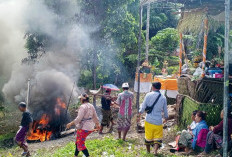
(106, 117)
(185, 139)
(81, 137)
(20, 137)
(215, 139)
(123, 123)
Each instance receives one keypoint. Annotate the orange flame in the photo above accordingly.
(59, 105)
(39, 132)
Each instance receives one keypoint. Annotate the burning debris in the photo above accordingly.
(53, 73)
(50, 125)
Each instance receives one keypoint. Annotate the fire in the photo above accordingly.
(59, 106)
(39, 130)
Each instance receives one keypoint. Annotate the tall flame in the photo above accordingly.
(39, 131)
(59, 106)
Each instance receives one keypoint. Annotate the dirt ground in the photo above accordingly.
(169, 136)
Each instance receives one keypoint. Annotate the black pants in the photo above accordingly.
(85, 152)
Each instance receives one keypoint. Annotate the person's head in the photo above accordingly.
(84, 98)
(194, 115)
(22, 106)
(229, 114)
(125, 86)
(156, 86)
(201, 115)
(108, 91)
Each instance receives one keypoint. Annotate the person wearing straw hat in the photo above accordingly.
(125, 100)
(85, 122)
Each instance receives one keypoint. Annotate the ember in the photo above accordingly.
(50, 124)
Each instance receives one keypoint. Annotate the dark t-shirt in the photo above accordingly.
(26, 119)
(105, 103)
(218, 129)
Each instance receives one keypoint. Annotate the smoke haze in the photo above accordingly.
(55, 72)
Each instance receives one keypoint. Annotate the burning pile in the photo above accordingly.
(50, 124)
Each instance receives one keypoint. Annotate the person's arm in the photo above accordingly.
(218, 128)
(118, 101)
(165, 109)
(95, 119)
(30, 129)
(142, 108)
(78, 118)
(143, 105)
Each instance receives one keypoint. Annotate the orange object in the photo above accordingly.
(205, 44)
(144, 77)
(180, 54)
(167, 84)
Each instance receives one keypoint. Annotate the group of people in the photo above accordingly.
(201, 138)
(155, 106)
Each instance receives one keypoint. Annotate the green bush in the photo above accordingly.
(189, 105)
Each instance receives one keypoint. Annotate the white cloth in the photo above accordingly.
(145, 87)
(172, 93)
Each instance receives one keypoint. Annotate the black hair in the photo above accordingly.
(86, 97)
(125, 88)
(23, 105)
(156, 85)
(202, 114)
(195, 112)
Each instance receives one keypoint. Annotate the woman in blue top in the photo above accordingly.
(188, 140)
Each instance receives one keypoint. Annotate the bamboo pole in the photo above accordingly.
(180, 54)
(28, 92)
(226, 78)
(139, 55)
(147, 30)
(205, 43)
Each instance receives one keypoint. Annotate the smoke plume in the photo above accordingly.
(54, 73)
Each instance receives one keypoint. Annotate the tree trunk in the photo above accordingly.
(94, 73)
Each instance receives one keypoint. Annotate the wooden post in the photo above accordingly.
(147, 30)
(205, 43)
(28, 92)
(139, 55)
(180, 53)
(226, 78)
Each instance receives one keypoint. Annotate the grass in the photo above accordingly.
(106, 147)
(7, 136)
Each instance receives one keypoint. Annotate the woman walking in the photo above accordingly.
(124, 101)
(85, 122)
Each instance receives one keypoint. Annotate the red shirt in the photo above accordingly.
(219, 128)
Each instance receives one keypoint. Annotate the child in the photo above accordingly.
(193, 124)
(25, 129)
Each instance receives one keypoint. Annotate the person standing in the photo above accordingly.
(107, 118)
(85, 122)
(124, 101)
(153, 120)
(25, 129)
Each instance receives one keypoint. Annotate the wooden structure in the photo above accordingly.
(213, 8)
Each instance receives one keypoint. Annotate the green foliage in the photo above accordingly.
(189, 105)
(160, 18)
(165, 40)
(172, 70)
